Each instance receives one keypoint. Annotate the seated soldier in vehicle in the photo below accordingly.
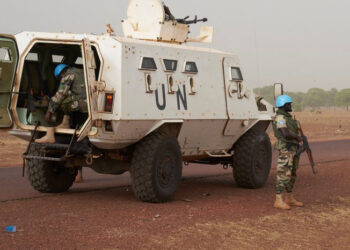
(70, 97)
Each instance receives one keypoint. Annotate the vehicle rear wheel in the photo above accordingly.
(48, 177)
(252, 160)
(156, 168)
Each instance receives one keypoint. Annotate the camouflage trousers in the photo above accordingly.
(287, 165)
(73, 103)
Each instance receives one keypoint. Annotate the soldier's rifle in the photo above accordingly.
(194, 21)
(305, 147)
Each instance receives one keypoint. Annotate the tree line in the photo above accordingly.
(314, 98)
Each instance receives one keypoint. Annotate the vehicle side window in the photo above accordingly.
(57, 58)
(236, 74)
(170, 65)
(79, 61)
(5, 55)
(32, 57)
(191, 67)
(148, 63)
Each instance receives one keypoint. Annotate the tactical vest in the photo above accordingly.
(292, 126)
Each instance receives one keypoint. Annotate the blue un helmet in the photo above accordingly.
(282, 100)
(59, 69)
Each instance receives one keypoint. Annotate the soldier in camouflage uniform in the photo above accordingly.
(70, 97)
(287, 133)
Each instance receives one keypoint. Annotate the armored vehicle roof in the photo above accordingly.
(25, 37)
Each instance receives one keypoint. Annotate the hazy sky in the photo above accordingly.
(302, 43)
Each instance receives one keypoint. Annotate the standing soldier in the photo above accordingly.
(287, 133)
(70, 97)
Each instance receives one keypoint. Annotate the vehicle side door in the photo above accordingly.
(8, 67)
(90, 80)
(236, 97)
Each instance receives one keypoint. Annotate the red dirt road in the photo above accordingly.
(209, 211)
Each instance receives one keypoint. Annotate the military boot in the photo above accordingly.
(49, 137)
(65, 124)
(279, 203)
(293, 202)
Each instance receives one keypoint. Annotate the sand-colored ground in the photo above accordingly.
(11, 149)
(207, 213)
(322, 126)
(328, 125)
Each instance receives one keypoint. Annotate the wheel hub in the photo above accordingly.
(259, 165)
(166, 171)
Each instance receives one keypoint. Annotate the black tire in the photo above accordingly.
(156, 168)
(49, 177)
(252, 160)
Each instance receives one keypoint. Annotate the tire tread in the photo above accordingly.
(243, 157)
(38, 176)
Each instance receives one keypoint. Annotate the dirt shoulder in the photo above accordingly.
(323, 126)
(308, 228)
(11, 149)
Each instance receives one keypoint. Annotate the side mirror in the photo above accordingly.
(278, 90)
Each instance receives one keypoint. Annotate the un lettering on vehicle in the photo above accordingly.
(161, 97)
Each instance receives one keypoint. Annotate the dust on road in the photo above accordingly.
(207, 213)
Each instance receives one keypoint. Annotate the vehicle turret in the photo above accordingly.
(161, 26)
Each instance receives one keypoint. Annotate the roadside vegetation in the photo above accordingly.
(313, 99)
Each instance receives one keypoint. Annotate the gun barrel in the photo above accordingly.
(196, 21)
(306, 147)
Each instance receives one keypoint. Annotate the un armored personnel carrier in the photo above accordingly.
(154, 102)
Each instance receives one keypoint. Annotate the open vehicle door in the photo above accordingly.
(8, 68)
(90, 79)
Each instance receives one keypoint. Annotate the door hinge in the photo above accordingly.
(98, 123)
(99, 86)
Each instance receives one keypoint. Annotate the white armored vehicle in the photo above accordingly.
(153, 103)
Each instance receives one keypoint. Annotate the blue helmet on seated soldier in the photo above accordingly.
(59, 68)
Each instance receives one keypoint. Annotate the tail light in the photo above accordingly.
(109, 102)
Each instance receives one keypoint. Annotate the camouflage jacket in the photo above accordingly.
(284, 120)
(72, 86)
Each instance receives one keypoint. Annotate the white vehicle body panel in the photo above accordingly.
(211, 119)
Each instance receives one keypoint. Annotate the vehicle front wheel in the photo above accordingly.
(252, 159)
(156, 168)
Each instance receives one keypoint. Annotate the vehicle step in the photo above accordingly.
(76, 148)
(32, 157)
